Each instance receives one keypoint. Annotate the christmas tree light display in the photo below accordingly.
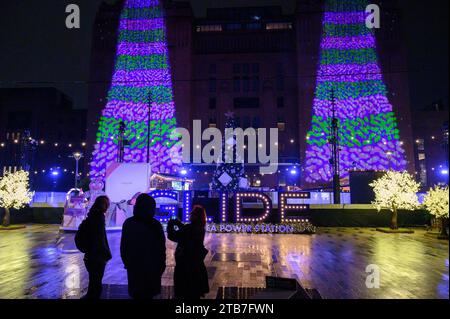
(141, 81)
(350, 78)
(228, 177)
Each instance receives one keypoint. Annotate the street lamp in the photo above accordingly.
(77, 156)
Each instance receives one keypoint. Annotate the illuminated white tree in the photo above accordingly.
(394, 191)
(436, 202)
(14, 193)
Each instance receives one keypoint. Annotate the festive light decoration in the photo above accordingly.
(173, 208)
(395, 190)
(224, 206)
(187, 202)
(166, 208)
(141, 84)
(304, 226)
(170, 209)
(283, 206)
(267, 203)
(14, 193)
(349, 76)
(228, 177)
(436, 201)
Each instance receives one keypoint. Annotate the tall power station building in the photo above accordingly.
(264, 65)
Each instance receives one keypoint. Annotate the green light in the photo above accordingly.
(361, 56)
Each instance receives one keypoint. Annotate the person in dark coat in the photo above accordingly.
(98, 253)
(143, 250)
(190, 276)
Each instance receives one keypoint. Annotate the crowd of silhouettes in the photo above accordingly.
(143, 250)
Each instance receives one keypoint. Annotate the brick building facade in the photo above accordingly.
(260, 63)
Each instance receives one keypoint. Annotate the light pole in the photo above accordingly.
(149, 123)
(77, 156)
(335, 153)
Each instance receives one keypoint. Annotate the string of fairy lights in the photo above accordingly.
(4, 144)
(140, 97)
(53, 170)
(369, 137)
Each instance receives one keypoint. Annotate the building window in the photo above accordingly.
(236, 68)
(279, 26)
(255, 84)
(233, 26)
(247, 76)
(246, 68)
(256, 122)
(209, 28)
(281, 126)
(246, 102)
(212, 103)
(280, 102)
(246, 122)
(212, 68)
(254, 26)
(212, 85)
(279, 77)
(236, 84)
(246, 84)
(255, 67)
(280, 83)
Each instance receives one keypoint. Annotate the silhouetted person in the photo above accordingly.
(143, 250)
(190, 276)
(97, 252)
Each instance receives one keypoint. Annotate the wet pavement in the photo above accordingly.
(41, 262)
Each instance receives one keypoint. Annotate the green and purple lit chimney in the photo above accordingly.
(368, 134)
(141, 77)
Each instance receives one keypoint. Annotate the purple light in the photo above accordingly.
(352, 108)
(141, 3)
(147, 67)
(348, 43)
(369, 130)
(142, 78)
(141, 49)
(141, 25)
(344, 17)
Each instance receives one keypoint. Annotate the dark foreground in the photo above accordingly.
(39, 262)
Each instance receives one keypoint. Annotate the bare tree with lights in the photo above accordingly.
(436, 202)
(14, 193)
(394, 191)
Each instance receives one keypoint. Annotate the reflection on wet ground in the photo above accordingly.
(40, 262)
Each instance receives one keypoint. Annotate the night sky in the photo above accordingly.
(38, 50)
